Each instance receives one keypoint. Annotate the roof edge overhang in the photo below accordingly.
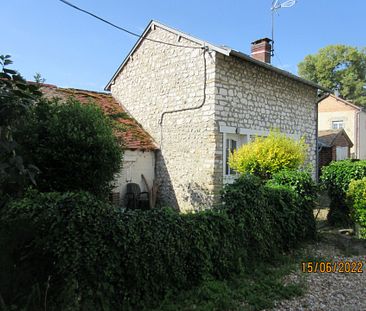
(336, 134)
(223, 50)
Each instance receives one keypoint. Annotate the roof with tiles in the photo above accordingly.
(327, 137)
(127, 130)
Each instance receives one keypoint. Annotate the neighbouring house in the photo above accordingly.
(200, 101)
(139, 147)
(336, 113)
(334, 145)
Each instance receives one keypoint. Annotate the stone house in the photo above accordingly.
(139, 147)
(336, 113)
(200, 101)
(334, 145)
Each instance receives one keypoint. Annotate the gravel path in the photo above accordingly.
(328, 291)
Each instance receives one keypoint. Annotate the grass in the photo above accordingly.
(254, 290)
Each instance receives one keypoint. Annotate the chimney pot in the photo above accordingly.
(261, 50)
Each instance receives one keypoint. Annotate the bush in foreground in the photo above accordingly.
(268, 155)
(16, 99)
(356, 196)
(87, 255)
(73, 145)
(60, 241)
(306, 193)
(336, 177)
(274, 216)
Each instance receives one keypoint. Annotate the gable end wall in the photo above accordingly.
(159, 78)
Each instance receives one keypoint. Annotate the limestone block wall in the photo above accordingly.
(160, 78)
(251, 97)
(238, 94)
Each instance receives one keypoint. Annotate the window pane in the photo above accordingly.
(232, 148)
(233, 145)
(227, 171)
(337, 124)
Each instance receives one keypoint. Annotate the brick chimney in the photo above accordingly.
(261, 50)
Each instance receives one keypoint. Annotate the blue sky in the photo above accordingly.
(71, 49)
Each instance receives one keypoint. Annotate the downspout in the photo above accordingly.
(205, 49)
(324, 95)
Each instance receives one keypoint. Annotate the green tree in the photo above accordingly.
(268, 155)
(16, 98)
(339, 68)
(73, 145)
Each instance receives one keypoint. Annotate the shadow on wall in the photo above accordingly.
(193, 195)
(166, 193)
(200, 198)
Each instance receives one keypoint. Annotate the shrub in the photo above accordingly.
(88, 255)
(305, 190)
(65, 236)
(299, 181)
(356, 196)
(336, 178)
(166, 252)
(73, 145)
(245, 201)
(271, 217)
(268, 155)
(293, 217)
(16, 98)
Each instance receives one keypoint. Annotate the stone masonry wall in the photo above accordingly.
(159, 78)
(251, 97)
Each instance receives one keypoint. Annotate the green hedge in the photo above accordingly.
(273, 216)
(67, 237)
(299, 181)
(306, 193)
(356, 196)
(88, 255)
(336, 177)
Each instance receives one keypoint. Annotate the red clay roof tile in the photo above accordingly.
(128, 131)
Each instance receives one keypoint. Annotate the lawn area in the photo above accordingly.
(257, 289)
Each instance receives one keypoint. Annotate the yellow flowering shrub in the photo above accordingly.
(265, 156)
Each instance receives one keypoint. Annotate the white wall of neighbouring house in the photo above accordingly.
(135, 163)
(332, 110)
(362, 138)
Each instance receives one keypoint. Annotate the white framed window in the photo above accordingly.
(231, 142)
(338, 124)
(231, 145)
(233, 138)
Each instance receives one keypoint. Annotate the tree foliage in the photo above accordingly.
(339, 68)
(267, 155)
(73, 145)
(16, 98)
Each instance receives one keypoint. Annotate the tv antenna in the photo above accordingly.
(276, 5)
